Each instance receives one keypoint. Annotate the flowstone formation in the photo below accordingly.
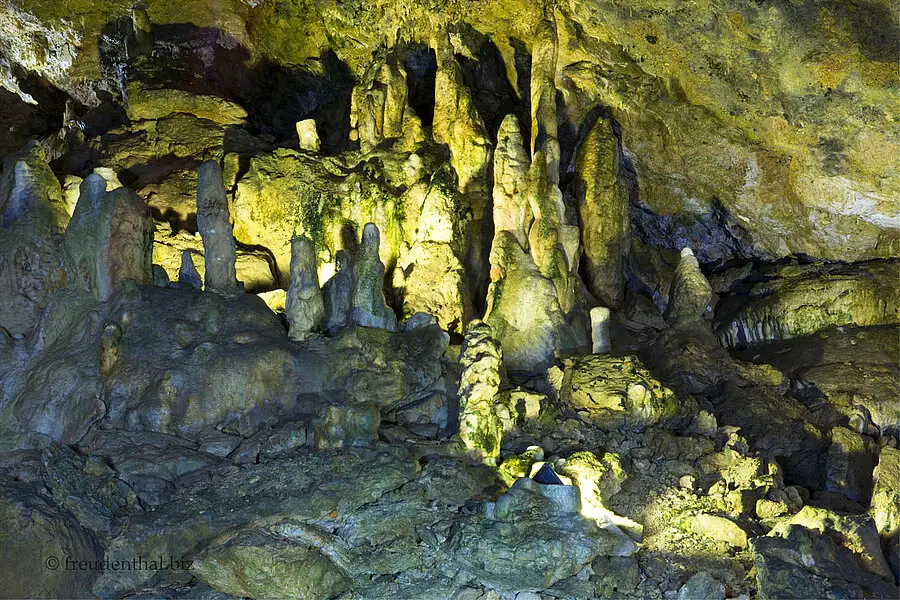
(502, 301)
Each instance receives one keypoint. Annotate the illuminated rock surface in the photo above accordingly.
(415, 223)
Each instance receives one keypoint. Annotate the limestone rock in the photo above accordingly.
(702, 587)
(615, 391)
(457, 124)
(801, 300)
(885, 506)
(600, 330)
(430, 275)
(367, 304)
(720, 528)
(53, 392)
(304, 307)
(822, 553)
(531, 540)
(39, 537)
(341, 426)
(32, 218)
(603, 214)
(214, 223)
(109, 239)
(511, 164)
(256, 564)
(849, 464)
(337, 294)
(379, 107)
(234, 499)
(308, 136)
(148, 103)
(544, 134)
(481, 365)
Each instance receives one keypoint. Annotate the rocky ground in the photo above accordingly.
(498, 302)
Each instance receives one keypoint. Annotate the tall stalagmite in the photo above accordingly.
(304, 307)
(214, 222)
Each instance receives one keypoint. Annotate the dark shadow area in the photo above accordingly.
(485, 76)
(421, 68)
(204, 60)
(522, 65)
(715, 237)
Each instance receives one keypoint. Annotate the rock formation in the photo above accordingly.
(214, 222)
(187, 272)
(367, 305)
(481, 365)
(109, 239)
(532, 299)
(691, 293)
(337, 294)
(304, 307)
(602, 214)
(646, 283)
(32, 219)
(379, 108)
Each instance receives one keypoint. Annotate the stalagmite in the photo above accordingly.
(304, 307)
(480, 428)
(214, 223)
(544, 135)
(336, 294)
(32, 218)
(603, 212)
(109, 239)
(187, 273)
(367, 304)
(600, 330)
(691, 292)
(511, 163)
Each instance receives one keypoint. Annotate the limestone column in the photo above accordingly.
(480, 427)
(304, 307)
(214, 222)
(511, 163)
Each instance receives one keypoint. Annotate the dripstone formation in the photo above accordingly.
(499, 302)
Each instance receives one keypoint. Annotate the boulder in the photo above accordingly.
(531, 537)
(799, 300)
(615, 391)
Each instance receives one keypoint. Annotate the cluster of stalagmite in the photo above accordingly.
(352, 296)
(533, 303)
(379, 108)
